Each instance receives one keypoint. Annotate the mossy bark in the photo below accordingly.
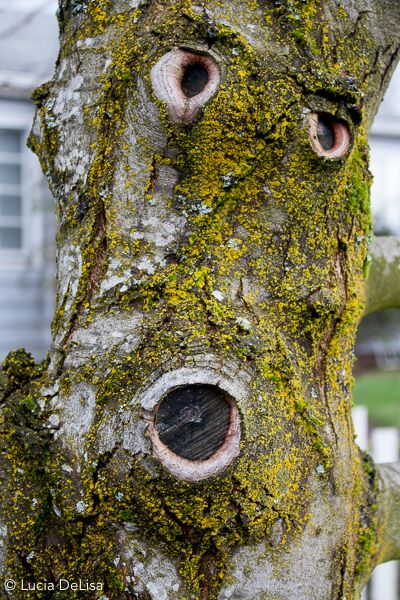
(227, 251)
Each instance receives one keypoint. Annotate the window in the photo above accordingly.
(26, 236)
(11, 206)
(20, 177)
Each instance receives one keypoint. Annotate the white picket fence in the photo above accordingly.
(383, 445)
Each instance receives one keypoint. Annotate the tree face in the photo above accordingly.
(210, 168)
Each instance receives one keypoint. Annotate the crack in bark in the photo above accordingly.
(98, 240)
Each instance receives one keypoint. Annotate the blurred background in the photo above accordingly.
(28, 49)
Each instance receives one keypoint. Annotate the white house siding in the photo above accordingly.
(28, 47)
(385, 161)
(26, 271)
(28, 44)
(23, 319)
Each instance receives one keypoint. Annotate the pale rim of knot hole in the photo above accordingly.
(185, 80)
(195, 431)
(330, 136)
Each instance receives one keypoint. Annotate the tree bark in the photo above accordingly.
(191, 434)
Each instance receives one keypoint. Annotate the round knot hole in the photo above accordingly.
(330, 136)
(185, 81)
(193, 420)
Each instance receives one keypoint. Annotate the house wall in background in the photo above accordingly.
(28, 48)
(385, 162)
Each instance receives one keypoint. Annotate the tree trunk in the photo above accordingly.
(191, 435)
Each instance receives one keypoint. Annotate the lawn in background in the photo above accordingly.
(380, 393)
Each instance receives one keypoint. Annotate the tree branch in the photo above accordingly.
(383, 284)
(389, 512)
(389, 13)
(381, 18)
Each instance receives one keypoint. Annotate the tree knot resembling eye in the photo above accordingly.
(330, 137)
(195, 431)
(185, 81)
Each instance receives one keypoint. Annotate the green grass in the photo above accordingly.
(380, 392)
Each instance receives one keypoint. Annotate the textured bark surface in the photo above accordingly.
(202, 242)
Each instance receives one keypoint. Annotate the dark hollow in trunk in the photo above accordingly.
(193, 421)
